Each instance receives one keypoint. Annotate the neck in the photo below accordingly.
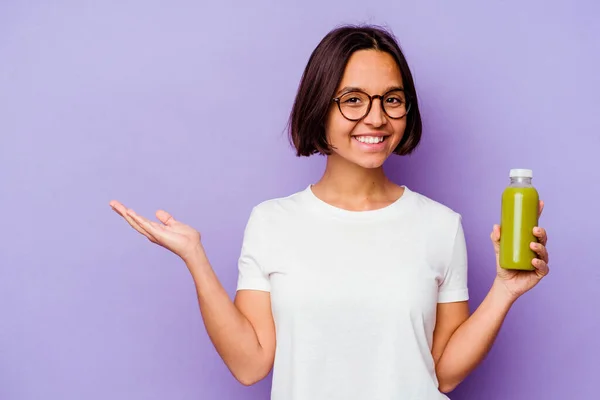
(342, 178)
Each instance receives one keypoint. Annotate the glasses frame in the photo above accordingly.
(371, 98)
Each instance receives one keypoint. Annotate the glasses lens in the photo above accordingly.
(354, 105)
(395, 104)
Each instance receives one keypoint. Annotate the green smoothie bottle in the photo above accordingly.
(519, 216)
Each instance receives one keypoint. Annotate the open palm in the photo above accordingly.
(169, 233)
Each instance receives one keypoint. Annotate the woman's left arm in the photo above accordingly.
(460, 341)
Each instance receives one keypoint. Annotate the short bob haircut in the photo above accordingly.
(322, 76)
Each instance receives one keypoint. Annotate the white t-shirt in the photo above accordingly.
(354, 293)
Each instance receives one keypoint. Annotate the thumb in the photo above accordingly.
(495, 233)
(165, 217)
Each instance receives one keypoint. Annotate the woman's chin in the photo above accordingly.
(369, 161)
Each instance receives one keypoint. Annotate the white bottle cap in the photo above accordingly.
(521, 173)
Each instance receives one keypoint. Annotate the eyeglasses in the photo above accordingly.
(356, 105)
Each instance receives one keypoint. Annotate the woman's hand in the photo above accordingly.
(518, 282)
(171, 234)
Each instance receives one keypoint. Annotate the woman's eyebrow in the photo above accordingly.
(354, 89)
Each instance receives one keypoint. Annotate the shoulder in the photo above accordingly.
(442, 230)
(435, 212)
(428, 205)
(279, 208)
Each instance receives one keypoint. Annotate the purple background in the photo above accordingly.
(182, 105)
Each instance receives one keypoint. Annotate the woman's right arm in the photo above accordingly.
(243, 331)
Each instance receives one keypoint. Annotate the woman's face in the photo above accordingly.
(369, 141)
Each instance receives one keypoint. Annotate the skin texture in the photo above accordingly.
(243, 330)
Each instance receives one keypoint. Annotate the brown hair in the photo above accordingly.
(322, 76)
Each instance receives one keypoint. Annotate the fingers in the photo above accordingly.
(540, 233)
(540, 208)
(151, 228)
(540, 263)
(117, 207)
(541, 267)
(540, 250)
(124, 212)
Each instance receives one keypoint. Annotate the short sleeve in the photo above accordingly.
(454, 285)
(251, 275)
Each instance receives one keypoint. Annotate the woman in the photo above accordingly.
(355, 287)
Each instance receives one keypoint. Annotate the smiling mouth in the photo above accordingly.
(370, 139)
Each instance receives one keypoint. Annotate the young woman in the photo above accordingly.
(355, 287)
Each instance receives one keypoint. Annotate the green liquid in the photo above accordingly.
(519, 217)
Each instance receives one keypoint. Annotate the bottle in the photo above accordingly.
(520, 202)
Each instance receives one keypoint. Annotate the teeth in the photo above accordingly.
(370, 139)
